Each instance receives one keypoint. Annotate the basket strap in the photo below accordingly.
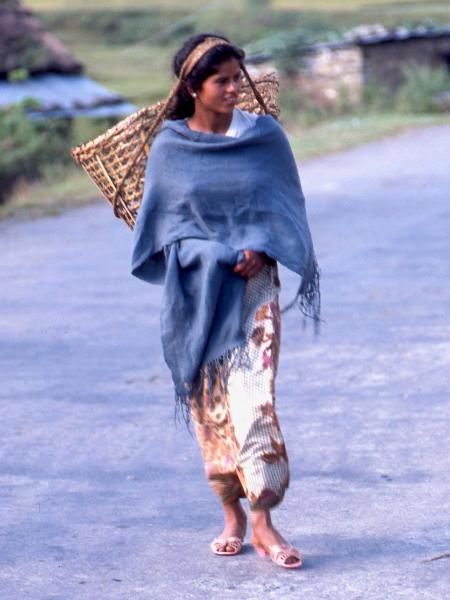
(255, 89)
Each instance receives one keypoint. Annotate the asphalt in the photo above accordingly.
(103, 497)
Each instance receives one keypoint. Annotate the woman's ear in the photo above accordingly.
(191, 91)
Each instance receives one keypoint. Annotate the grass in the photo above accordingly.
(364, 7)
(329, 5)
(141, 73)
(350, 131)
(140, 70)
(348, 5)
(61, 189)
(70, 187)
(84, 5)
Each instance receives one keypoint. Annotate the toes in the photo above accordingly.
(223, 546)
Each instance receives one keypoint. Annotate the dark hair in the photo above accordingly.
(183, 104)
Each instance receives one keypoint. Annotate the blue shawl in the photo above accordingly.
(206, 198)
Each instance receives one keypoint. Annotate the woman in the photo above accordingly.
(222, 204)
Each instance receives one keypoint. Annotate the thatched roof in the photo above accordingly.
(24, 44)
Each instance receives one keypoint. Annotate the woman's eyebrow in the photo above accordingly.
(235, 76)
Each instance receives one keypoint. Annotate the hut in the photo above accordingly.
(367, 55)
(35, 64)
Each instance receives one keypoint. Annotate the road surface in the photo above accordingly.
(102, 497)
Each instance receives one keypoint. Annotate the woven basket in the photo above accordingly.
(107, 158)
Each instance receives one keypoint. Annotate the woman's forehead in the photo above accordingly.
(228, 67)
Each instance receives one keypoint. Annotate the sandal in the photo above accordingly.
(279, 554)
(218, 544)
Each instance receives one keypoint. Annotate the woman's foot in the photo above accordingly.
(231, 539)
(267, 540)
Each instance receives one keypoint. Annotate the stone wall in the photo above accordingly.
(331, 77)
(326, 78)
(384, 63)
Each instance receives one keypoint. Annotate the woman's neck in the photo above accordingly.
(209, 122)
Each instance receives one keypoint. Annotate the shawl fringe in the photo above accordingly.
(308, 300)
(217, 370)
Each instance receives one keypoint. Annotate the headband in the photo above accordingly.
(199, 52)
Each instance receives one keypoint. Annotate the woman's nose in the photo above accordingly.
(234, 87)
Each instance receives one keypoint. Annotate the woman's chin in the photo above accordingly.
(227, 109)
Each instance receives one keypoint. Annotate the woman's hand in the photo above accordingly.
(251, 265)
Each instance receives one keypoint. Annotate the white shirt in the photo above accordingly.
(241, 121)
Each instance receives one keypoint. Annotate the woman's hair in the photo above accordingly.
(183, 104)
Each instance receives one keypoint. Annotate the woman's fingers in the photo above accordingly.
(245, 267)
(242, 268)
(251, 265)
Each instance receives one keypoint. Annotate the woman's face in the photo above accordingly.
(219, 92)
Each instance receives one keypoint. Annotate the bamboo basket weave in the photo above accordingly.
(116, 160)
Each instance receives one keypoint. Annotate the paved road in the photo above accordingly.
(102, 497)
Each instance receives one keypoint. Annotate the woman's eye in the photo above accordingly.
(226, 80)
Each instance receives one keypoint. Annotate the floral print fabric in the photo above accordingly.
(237, 427)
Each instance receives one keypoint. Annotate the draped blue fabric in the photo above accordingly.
(206, 198)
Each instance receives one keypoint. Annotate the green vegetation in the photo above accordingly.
(68, 186)
(77, 6)
(347, 5)
(27, 146)
(128, 48)
(60, 187)
(348, 131)
(420, 87)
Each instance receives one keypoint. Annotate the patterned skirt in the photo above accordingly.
(237, 428)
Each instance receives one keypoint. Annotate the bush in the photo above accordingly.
(297, 107)
(26, 146)
(420, 85)
(377, 98)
